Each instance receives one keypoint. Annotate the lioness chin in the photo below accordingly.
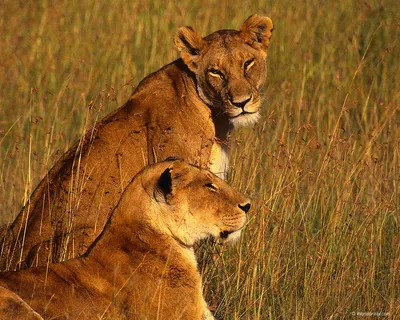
(187, 108)
(142, 266)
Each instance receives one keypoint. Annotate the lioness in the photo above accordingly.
(188, 108)
(142, 265)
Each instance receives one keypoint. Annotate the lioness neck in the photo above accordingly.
(140, 243)
(186, 81)
(134, 232)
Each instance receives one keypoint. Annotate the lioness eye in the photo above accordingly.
(248, 64)
(211, 186)
(216, 73)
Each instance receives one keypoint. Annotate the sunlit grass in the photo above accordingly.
(322, 166)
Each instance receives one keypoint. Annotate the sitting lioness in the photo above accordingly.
(142, 265)
(188, 108)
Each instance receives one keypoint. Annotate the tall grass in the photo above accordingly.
(322, 166)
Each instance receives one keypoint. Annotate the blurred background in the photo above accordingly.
(322, 166)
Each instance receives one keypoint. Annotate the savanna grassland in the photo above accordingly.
(322, 166)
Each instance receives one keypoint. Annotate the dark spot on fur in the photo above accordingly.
(173, 158)
(165, 182)
(225, 234)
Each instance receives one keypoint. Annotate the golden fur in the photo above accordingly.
(185, 109)
(142, 266)
(12, 307)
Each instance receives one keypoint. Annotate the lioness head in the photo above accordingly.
(229, 66)
(194, 204)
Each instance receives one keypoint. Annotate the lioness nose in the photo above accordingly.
(245, 207)
(241, 104)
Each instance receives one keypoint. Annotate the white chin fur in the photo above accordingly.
(245, 120)
(232, 237)
(240, 121)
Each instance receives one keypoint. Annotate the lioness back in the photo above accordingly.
(187, 108)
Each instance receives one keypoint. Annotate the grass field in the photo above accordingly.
(322, 166)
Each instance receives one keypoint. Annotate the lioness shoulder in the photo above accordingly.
(187, 108)
(142, 265)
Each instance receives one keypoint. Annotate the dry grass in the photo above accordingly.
(323, 165)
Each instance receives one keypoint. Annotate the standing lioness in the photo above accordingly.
(187, 108)
(142, 266)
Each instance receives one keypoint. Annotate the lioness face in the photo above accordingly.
(203, 205)
(229, 66)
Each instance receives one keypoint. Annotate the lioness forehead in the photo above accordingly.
(226, 39)
(222, 35)
(227, 46)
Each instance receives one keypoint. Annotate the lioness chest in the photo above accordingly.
(219, 160)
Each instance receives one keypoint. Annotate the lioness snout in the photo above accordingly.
(245, 207)
(239, 93)
(241, 104)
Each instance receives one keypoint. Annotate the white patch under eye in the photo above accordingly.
(211, 186)
(248, 64)
(215, 75)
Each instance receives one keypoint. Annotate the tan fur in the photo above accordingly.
(185, 109)
(142, 265)
(219, 161)
(12, 307)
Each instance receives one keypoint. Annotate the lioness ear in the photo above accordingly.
(257, 32)
(164, 186)
(189, 44)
